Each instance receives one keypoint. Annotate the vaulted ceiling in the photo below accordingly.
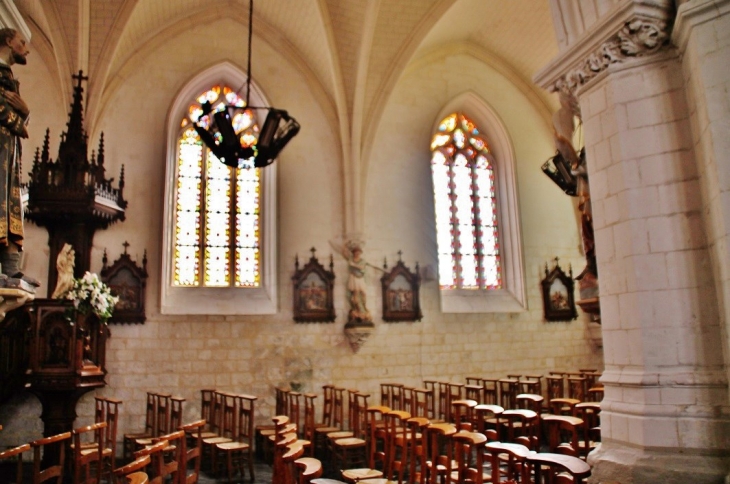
(356, 49)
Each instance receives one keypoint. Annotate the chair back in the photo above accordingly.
(162, 414)
(87, 461)
(546, 467)
(176, 413)
(138, 465)
(15, 453)
(53, 451)
(191, 454)
(469, 456)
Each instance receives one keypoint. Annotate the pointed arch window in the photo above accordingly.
(219, 231)
(467, 227)
(217, 216)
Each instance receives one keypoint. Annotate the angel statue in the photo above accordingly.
(356, 291)
(65, 266)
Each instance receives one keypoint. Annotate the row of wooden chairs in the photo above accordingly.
(228, 439)
(173, 458)
(87, 453)
(163, 414)
(290, 466)
(414, 450)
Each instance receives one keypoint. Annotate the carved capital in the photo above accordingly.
(634, 29)
(635, 39)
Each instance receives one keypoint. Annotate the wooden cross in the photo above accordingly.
(126, 246)
(80, 77)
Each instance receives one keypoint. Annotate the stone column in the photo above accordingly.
(702, 36)
(665, 413)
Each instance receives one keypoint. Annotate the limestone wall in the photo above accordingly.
(252, 354)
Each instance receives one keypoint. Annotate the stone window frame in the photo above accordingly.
(512, 296)
(217, 300)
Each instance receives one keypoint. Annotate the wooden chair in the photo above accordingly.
(176, 414)
(351, 452)
(531, 384)
(486, 417)
(529, 401)
(284, 436)
(518, 422)
(173, 455)
(332, 416)
(508, 459)
(435, 464)
(129, 439)
(338, 417)
(474, 392)
(192, 453)
(590, 433)
(416, 432)
(555, 386)
(562, 433)
(15, 453)
(469, 456)
(294, 411)
(239, 452)
(155, 452)
(87, 461)
(109, 447)
(508, 390)
(309, 421)
(462, 413)
(577, 388)
(556, 464)
(448, 392)
(308, 468)
(376, 436)
(226, 429)
(422, 403)
(137, 466)
(398, 397)
(563, 406)
(490, 392)
(292, 452)
(206, 412)
(595, 393)
(53, 450)
(397, 443)
(432, 387)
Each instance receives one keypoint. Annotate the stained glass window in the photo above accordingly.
(467, 233)
(217, 214)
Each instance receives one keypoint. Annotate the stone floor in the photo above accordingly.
(262, 475)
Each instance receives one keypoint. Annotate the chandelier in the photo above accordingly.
(216, 129)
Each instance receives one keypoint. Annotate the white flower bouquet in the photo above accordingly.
(90, 295)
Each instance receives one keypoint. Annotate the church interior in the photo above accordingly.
(352, 257)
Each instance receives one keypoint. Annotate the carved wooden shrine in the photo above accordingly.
(57, 353)
(128, 281)
(558, 294)
(313, 291)
(401, 293)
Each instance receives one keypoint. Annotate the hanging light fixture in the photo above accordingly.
(217, 130)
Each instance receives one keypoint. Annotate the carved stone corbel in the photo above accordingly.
(639, 28)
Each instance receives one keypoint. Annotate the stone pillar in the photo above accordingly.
(665, 413)
(702, 36)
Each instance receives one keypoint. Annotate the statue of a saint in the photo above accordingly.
(356, 290)
(13, 118)
(65, 265)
